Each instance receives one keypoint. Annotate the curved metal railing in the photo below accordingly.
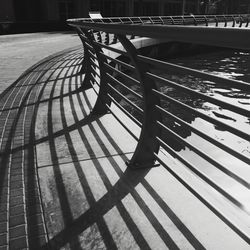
(225, 20)
(198, 20)
(128, 81)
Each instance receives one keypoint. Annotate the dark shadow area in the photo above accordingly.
(7, 28)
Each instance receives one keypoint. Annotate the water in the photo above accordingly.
(227, 172)
(231, 65)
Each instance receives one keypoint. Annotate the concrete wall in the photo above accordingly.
(6, 10)
(51, 10)
(81, 8)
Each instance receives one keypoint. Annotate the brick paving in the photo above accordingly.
(21, 212)
(27, 219)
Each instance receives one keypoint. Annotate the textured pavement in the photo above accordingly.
(64, 183)
(21, 218)
(42, 117)
(20, 51)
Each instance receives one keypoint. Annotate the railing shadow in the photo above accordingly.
(54, 113)
(115, 193)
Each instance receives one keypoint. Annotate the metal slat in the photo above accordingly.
(123, 125)
(124, 86)
(139, 124)
(118, 51)
(93, 78)
(204, 75)
(244, 235)
(205, 156)
(206, 137)
(195, 93)
(201, 175)
(122, 74)
(125, 65)
(126, 99)
(231, 129)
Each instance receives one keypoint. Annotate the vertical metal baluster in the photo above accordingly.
(106, 41)
(247, 22)
(234, 21)
(143, 156)
(100, 107)
(86, 62)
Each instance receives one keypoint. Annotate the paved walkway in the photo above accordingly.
(63, 179)
(21, 51)
(20, 204)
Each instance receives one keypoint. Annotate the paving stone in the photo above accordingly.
(3, 227)
(3, 239)
(17, 192)
(17, 232)
(3, 217)
(17, 155)
(17, 171)
(16, 160)
(32, 190)
(17, 165)
(5, 181)
(36, 230)
(33, 201)
(34, 209)
(36, 242)
(18, 243)
(15, 178)
(17, 220)
(4, 199)
(17, 210)
(4, 191)
(15, 201)
(3, 206)
(35, 219)
(16, 184)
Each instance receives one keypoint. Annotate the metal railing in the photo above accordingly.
(225, 20)
(198, 20)
(124, 79)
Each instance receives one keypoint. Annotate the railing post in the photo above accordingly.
(143, 156)
(85, 67)
(102, 101)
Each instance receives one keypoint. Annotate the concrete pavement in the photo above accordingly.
(20, 51)
(64, 183)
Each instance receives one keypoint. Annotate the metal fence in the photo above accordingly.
(125, 79)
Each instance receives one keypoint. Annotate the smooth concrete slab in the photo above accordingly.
(103, 203)
(21, 51)
(93, 201)
(88, 136)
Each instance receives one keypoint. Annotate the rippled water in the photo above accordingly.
(228, 64)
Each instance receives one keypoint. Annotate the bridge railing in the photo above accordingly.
(240, 20)
(162, 108)
(198, 20)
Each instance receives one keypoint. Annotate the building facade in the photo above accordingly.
(60, 10)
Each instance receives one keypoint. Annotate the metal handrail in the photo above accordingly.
(172, 20)
(214, 36)
(124, 66)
